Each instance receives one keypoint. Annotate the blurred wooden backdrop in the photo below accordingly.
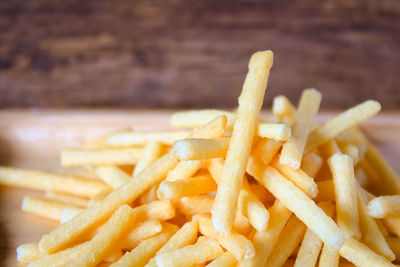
(194, 54)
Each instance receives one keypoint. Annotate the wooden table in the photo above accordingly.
(34, 138)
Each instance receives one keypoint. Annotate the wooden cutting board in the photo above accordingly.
(34, 138)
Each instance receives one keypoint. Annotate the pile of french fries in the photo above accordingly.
(223, 189)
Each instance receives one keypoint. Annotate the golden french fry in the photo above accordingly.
(275, 131)
(266, 150)
(29, 252)
(113, 256)
(148, 196)
(262, 193)
(283, 109)
(112, 175)
(241, 224)
(41, 180)
(194, 148)
(361, 176)
(98, 197)
(354, 136)
(225, 260)
(341, 122)
(103, 156)
(134, 138)
(205, 249)
(298, 177)
(196, 204)
(393, 224)
(359, 254)
(394, 244)
(299, 203)
(69, 213)
(375, 183)
(101, 141)
(184, 169)
(235, 243)
(345, 194)
(371, 235)
(384, 206)
(311, 164)
(329, 257)
(146, 249)
(351, 150)
(45, 207)
(143, 231)
(329, 148)
(151, 152)
(196, 118)
(312, 244)
(292, 150)
(192, 186)
(67, 198)
(289, 239)
(250, 102)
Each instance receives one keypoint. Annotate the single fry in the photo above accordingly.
(99, 157)
(275, 131)
(192, 186)
(341, 122)
(29, 252)
(289, 239)
(112, 175)
(205, 249)
(283, 109)
(146, 249)
(345, 194)
(329, 257)
(250, 102)
(311, 164)
(151, 152)
(225, 260)
(194, 148)
(196, 205)
(266, 149)
(45, 207)
(47, 181)
(299, 203)
(351, 150)
(359, 254)
(298, 177)
(384, 206)
(67, 198)
(184, 169)
(134, 138)
(237, 244)
(143, 231)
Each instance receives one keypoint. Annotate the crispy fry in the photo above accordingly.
(275, 131)
(226, 260)
(134, 138)
(194, 148)
(67, 198)
(292, 150)
(384, 206)
(352, 151)
(329, 148)
(299, 203)
(266, 149)
(104, 156)
(250, 102)
(329, 257)
(40, 180)
(149, 196)
(68, 214)
(151, 152)
(341, 122)
(196, 204)
(29, 252)
(345, 194)
(143, 231)
(311, 164)
(112, 175)
(184, 169)
(283, 109)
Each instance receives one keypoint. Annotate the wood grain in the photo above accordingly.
(180, 54)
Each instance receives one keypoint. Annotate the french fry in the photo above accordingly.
(311, 244)
(68, 214)
(292, 150)
(354, 136)
(112, 175)
(393, 224)
(289, 239)
(237, 244)
(352, 151)
(196, 118)
(345, 194)
(29, 252)
(134, 138)
(48, 208)
(192, 186)
(148, 196)
(101, 141)
(341, 122)
(250, 102)
(329, 257)
(359, 254)
(384, 206)
(326, 191)
(361, 176)
(196, 205)
(113, 256)
(394, 244)
(98, 197)
(371, 235)
(241, 224)
(329, 148)
(226, 260)
(374, 179)
(184, 169)
(46, 181)
(186, 235)
(266, 149)
(298, 177)
(151, 152)
(299, 203)
(275, 131)
(146, 249)
(67, 198)
(311, 164)
(262, 193)
(194, 149)
(99, 157)
(283, 109)
(143, 231)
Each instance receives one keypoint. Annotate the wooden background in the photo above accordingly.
(194, 54)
